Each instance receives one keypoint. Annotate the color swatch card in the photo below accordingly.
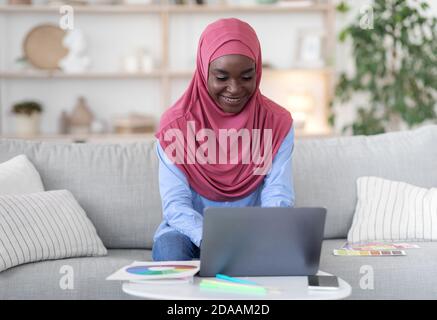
(156, 270)
(373, 253)
(379, 246)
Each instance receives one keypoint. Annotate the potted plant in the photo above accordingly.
(27, 117)
(394, 83)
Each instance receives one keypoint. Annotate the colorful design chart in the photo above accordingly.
(374, 253)
(379, 246)
(157, 270)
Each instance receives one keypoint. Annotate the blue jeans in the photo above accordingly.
(172, 246)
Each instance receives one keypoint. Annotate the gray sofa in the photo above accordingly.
(117, 185)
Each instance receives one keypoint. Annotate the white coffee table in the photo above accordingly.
(290, 288)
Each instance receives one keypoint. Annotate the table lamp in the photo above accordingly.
(300, 105)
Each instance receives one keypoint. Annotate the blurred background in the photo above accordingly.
(105, 70)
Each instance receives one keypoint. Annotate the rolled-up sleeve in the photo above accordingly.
(176, 197)
(277, 189)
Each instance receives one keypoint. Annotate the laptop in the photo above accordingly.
(256, 241)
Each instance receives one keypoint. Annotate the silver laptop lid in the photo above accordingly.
(256, 241)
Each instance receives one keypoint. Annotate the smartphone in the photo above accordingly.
(323, 282)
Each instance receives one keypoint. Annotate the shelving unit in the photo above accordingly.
(40, 74)
(169, 8)
(165, 74)
(89, 138)
(87, 75)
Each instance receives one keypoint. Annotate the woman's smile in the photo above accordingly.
(233, 101)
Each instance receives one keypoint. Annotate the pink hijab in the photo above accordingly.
(213, 180)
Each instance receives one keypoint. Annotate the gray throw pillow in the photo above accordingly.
(18, 176)
(45, 226)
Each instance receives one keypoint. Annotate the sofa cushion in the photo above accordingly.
(402, 277)
(393, 211)
(326, 170)
(116, 184)
(19, 176)
(394, 277)
(76, 278)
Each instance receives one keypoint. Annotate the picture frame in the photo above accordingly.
(310, 50)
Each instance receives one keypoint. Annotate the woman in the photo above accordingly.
(222, 104)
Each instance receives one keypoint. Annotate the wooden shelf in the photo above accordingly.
(142, 9)
(89, 75)
(261, 8)
(92, 138)
(114, 137)
(323, 70)
(37, 74)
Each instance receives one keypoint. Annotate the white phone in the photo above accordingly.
(323, 282)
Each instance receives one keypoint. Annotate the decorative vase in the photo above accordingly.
(76, 61)
(27, 125)
(81, 118)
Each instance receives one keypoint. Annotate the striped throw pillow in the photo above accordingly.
(44, 226)
(391, 210)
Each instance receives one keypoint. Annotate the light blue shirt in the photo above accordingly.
(183, 207)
